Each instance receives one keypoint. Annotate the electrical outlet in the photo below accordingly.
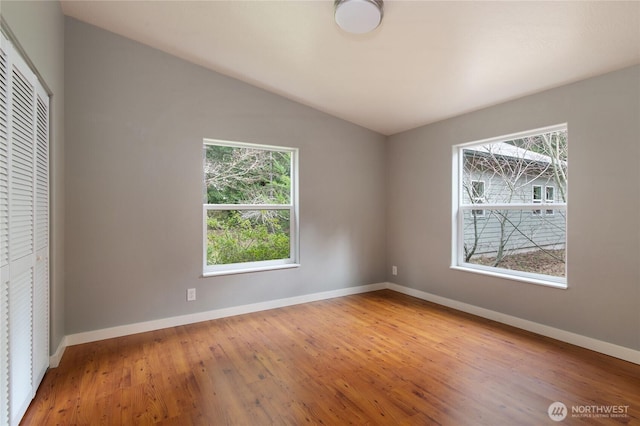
(394, 270)
(191, 294)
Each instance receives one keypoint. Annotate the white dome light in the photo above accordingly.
(358, 16)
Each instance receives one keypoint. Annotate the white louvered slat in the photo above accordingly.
(42, 172)
(4, 351)
(20, 342)
(4, 161)
(4, 233)
(40, 318)
(21, 190)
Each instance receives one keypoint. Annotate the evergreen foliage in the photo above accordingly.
(233, 176)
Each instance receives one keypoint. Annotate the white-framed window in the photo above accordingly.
(536, 197)
(250, 207)
(520, 173)
(549, 197)
(477, 196)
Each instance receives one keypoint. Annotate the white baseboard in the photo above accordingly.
(108, 333)
(54, 360)
(606, 348)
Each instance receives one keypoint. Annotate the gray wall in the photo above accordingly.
(39, 30)
(136, 118)
(603, 116)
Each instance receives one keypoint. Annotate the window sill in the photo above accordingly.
(530, 280)
(248, 270)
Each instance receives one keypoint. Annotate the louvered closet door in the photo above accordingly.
(24, 235)
(4, 238)
(22, 132)
(41, 284)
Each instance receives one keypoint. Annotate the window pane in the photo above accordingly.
(477, 196)
(477, 189)
(235, 236)
(537, 193)
(516, 240)
(516, 171)
(247, 176)
(549, 196)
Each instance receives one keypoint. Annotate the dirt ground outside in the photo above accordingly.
(540, 262)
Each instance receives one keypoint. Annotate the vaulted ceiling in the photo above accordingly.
(429, 60)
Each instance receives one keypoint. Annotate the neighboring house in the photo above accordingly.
(501, 173)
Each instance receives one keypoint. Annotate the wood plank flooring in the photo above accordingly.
(378, 358)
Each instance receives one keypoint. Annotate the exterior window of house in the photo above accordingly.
(549, 197)
(477, 196)
(512, 176)
(250, 207)
(537, 196)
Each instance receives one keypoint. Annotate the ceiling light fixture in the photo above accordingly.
(358, 16)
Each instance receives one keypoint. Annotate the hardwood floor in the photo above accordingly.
(378, 358)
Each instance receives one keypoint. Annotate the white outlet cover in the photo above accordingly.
(191, 294)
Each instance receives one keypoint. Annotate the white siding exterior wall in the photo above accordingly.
(524, 230)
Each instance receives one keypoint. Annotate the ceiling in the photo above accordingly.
(427, 61)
